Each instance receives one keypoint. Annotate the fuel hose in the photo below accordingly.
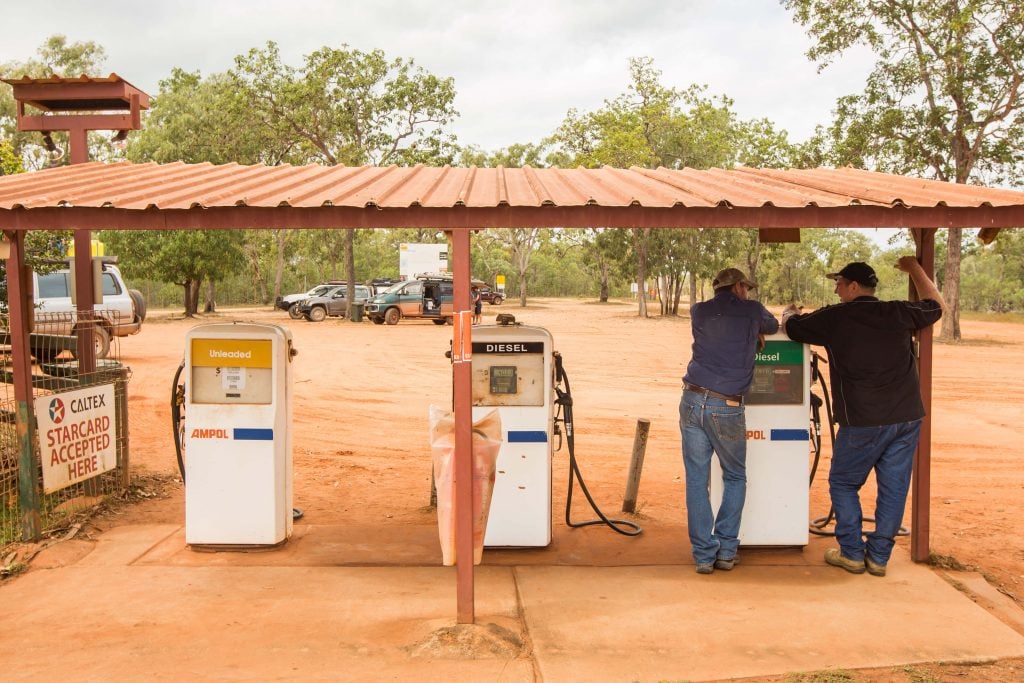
(564, 402)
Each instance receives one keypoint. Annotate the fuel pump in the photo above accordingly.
(777, 408)
(512, 372)
(517, 372)
(236, 433)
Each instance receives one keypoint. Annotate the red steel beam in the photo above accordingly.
(97, 218)
(922, 477)
(59, 122)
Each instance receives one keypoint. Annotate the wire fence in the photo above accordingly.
(82, 441)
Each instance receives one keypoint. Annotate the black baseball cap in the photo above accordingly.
(858, 272)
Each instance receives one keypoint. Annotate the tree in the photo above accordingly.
(652, 125)
(345, 106)
(193, 119)
(944, 99)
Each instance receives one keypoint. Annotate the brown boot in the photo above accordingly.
(835, 557)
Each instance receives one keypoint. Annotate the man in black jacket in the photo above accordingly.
(877, 402)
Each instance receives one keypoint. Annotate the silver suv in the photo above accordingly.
(120, 314)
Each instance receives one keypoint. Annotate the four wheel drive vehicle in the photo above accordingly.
(424, 297)
(490, 296)
(120, 314)
(290, 302)
(334, 302)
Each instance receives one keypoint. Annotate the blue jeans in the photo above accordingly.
(709, 425)
(889, 451)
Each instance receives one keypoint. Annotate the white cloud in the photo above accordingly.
(518, 66)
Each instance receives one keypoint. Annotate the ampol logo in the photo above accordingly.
(57, 411)
(756, 435)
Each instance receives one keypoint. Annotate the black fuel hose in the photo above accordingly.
(176, 417)
(564, 401)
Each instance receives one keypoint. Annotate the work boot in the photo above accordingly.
(835, 557)
(726, 565)
(873, 567)
(705, 568)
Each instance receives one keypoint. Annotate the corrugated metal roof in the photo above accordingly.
(126, 185)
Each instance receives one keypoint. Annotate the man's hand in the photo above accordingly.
(908, 264)
(791, 310)
(760, 342)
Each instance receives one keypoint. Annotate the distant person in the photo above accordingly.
(877, 402)
(726, 332)
(478, 306)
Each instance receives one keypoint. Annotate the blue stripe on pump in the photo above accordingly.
(528, 436)
(254, 434)
(790, 435)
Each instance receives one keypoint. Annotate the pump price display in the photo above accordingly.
(503, 379)
(77, 435)
(778, 375)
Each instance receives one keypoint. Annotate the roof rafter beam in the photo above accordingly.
(510, 217)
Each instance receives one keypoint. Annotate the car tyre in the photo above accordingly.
(100, 340)
(392, 316)
(139, 303)
(294, 312)
(377, 320)
(497, 300)
(317, 314)
(439, 321)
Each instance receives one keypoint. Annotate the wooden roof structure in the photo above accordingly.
(97, 196)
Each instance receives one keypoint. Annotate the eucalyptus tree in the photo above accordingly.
(346, 106)
(653, 125)
(944, 100)
(195, 119)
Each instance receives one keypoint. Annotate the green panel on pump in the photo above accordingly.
(778, 374)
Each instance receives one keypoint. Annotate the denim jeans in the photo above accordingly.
(709, 425)
(889, 451)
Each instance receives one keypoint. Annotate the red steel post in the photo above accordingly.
(922, 477)
(462, 376)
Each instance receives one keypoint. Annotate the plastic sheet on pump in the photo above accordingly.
(486, 444)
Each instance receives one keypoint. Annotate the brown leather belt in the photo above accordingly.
(713, 394)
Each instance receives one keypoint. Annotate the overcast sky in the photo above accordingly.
(518, 65)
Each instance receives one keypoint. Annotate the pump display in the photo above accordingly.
(777, 414)
(236, 435)
(512, 372)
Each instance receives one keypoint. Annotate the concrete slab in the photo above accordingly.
(196, 623)
(142, 605)
(669, 623)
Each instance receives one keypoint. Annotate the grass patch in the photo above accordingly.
(947, 562)
(981, 316)
(835, 676)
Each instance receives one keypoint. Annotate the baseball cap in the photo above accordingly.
(730, 276)
(858, 272)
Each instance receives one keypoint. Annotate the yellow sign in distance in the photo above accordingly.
(232, 353)
(499, 280)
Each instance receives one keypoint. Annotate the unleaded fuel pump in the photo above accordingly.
(237, 435)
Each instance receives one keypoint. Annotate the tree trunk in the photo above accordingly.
(604, 282)
(522, 288)
(951, 288)
(693, 288)
(211, 298)
(191, 292)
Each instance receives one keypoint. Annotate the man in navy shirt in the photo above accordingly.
(726, 331)
(877, 402)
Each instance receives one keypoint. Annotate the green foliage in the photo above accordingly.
(945, 96)
(10, 162)
(993, 278)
